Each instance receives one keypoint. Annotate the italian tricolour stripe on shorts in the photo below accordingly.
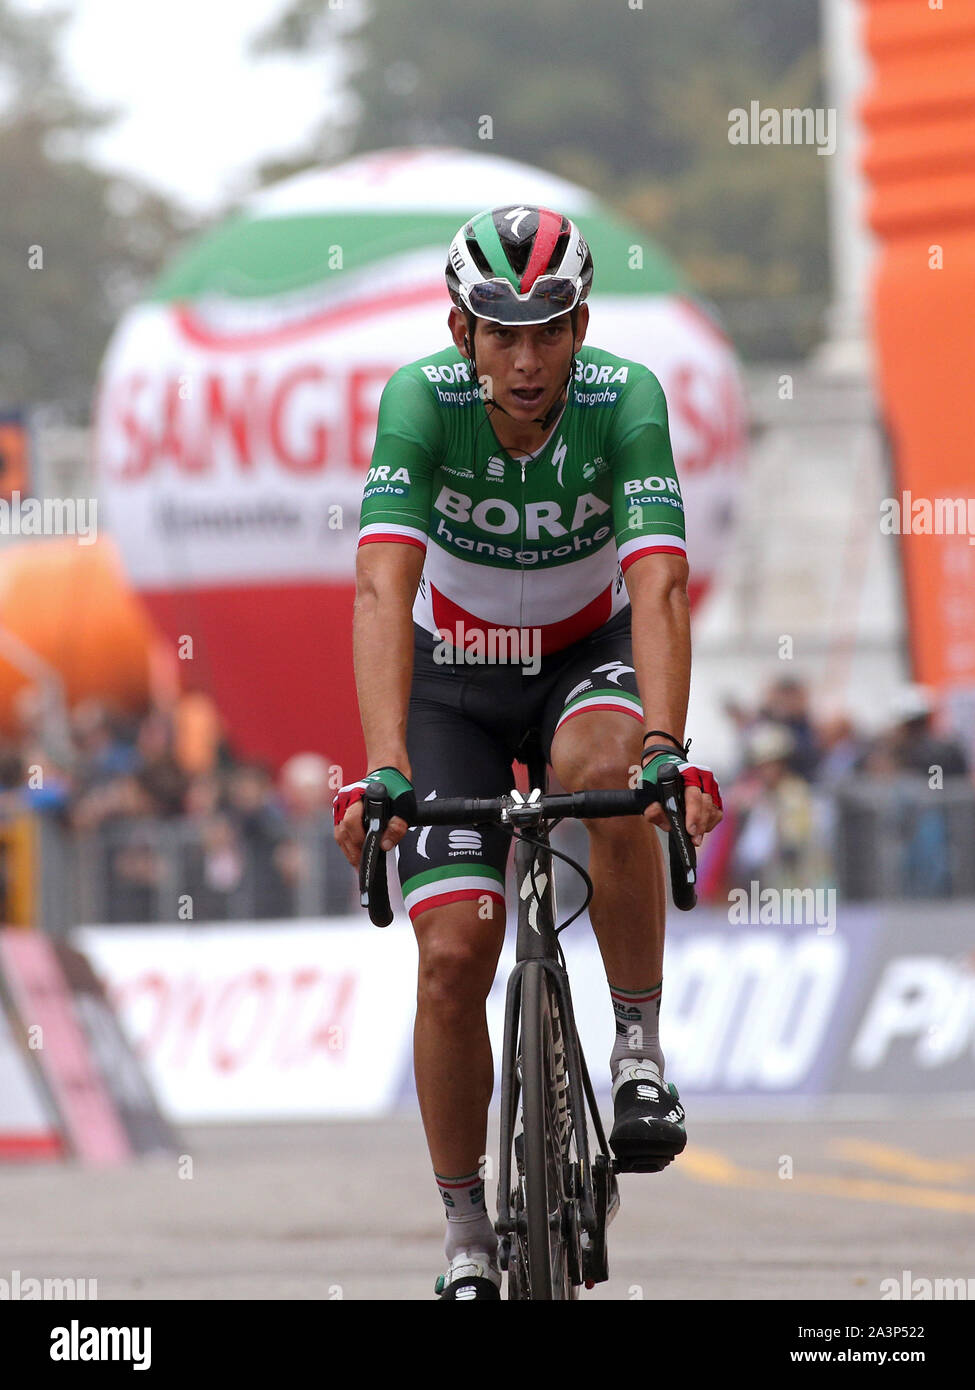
(661, 542)
(620, 700)
(390, 531)
(453, 883)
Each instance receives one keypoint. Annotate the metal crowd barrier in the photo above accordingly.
(890, 839)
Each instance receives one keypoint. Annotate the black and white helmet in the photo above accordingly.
(519, 264)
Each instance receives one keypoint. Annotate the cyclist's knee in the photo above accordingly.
(594, 757)
(459, 948)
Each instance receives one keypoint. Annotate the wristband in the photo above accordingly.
(679, 752)
(663, 734)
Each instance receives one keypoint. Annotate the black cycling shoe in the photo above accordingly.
(471, 1277)
(649, 1131)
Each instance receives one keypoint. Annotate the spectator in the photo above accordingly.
(915, 746)
(305, 789)
(916, 751)
(47, 785)
(213, 864)
(136, 871)
(41, 720)
(159, 773)
(777, 840)
(198, 740)
(102, 752)
(261, 828)
(841, 750)
(114, 800)
(787, 704)
(739, 716)
(309, 859)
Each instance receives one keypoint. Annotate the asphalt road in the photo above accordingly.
(754, 1209)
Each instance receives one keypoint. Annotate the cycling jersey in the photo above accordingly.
(540, 543)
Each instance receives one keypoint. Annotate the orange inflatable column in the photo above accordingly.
(919, 114)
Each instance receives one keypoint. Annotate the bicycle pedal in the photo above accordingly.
(638, 1164)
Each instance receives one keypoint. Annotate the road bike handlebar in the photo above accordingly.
(517, 811)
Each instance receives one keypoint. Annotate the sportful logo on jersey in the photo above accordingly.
(464, 842)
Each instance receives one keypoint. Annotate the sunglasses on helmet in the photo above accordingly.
(548, 297)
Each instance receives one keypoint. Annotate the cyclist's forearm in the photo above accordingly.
(662, 658)
(382, 641)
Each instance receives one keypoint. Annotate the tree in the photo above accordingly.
(78, 246)
(631, 99)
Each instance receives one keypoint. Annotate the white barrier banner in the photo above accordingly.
(270, 1021)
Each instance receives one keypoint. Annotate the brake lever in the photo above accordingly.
(683, 856)
(373, 883)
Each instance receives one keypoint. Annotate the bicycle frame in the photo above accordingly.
(536, 941)
(588, 1182)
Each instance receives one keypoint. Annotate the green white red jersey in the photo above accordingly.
(514, 543)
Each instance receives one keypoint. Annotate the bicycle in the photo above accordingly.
(557, 1200)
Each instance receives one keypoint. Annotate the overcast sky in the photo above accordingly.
(199, 111)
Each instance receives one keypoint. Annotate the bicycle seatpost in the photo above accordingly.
(530, 753)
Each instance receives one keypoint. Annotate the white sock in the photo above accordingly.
(468, 1225)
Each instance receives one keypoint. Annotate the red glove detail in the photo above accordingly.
(704, 779)
(345, 797)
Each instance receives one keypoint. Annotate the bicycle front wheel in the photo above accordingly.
(548, 1141)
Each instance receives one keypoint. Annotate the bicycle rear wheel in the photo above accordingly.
(551, 1244)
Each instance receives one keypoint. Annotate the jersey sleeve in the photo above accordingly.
(648, 509)
(396, 498)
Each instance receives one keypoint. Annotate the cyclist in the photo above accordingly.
(522, 563)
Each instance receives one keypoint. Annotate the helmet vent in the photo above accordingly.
(479, 258)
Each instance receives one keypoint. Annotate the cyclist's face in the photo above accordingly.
(526, 363)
